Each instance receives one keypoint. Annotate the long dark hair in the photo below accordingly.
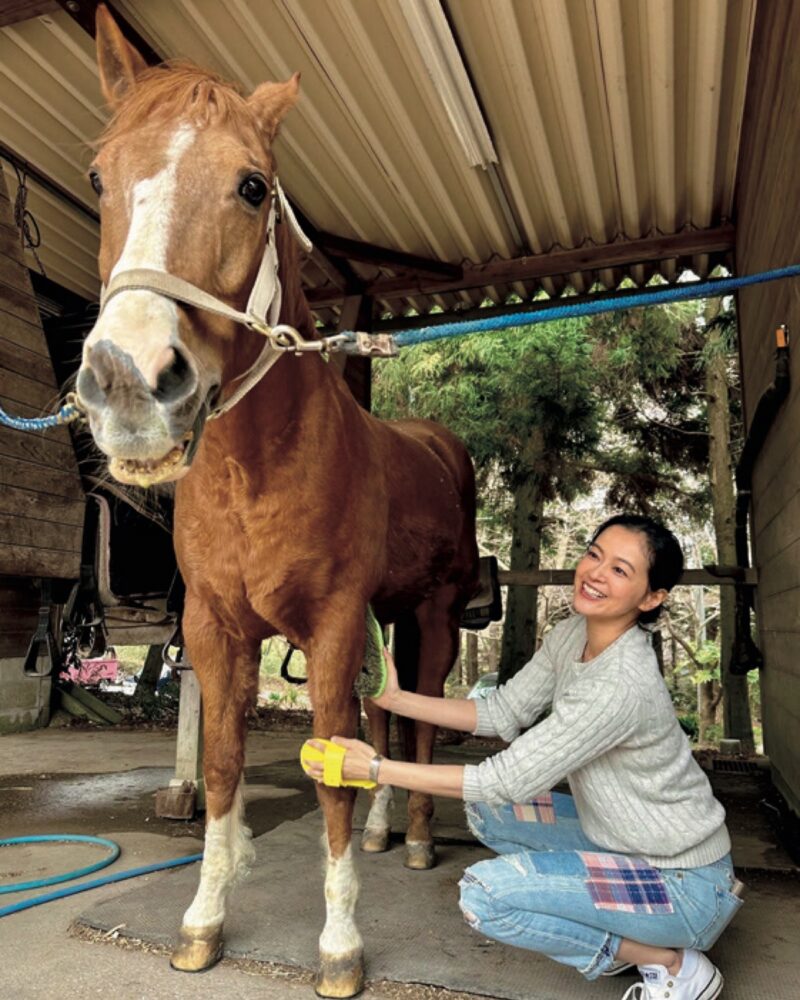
(665, 563)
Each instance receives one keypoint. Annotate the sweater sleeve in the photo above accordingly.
(589, 719)
(518, 703)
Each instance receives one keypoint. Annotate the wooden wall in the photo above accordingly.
(767, 236)
(41, 498)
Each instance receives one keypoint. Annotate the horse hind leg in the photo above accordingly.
(227, 670)
(438, 620)
(378, 827)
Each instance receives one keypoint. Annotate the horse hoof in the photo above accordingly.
(340, 976)
(420, 856)
(198, 949)
(375, 841)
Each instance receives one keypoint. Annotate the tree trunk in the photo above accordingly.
(737, 723)
(470, 661)
(706, 707)
(519, 629)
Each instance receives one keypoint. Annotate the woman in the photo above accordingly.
(634, 867)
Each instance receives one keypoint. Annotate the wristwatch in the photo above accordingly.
(374, 767)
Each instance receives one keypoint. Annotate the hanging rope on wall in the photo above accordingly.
(30, 237)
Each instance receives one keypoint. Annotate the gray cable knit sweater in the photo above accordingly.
(613, 734)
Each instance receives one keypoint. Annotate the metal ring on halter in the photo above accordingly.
(287, 337)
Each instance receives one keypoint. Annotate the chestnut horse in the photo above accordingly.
(295, 508)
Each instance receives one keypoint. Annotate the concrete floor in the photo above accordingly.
(103, 782)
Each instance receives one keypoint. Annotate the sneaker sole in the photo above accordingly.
(617, 970)
(713, 988)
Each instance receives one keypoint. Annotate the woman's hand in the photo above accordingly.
(356, 759)
(392, 689)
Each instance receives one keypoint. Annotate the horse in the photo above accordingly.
(294, 507)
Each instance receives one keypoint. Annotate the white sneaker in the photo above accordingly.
(616, 968)
(698, 979)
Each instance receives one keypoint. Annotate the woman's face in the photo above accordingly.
(611, 580)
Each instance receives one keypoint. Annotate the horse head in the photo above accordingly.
(186, 178)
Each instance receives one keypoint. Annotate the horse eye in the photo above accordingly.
(253, 189)
(94, 180)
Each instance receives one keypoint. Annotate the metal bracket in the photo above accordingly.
(371, 345)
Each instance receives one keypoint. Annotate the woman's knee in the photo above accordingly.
(477, 814)
(475, 895)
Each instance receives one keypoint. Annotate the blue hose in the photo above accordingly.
(61, 838)
(71, 890)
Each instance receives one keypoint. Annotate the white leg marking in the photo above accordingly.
(142, 323)
(380, 812)
(340, 935)
(227, 858)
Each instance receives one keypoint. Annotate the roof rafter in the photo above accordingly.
(720, 239)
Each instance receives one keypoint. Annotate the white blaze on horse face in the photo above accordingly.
(140, 322)
(227, 857)
(340, 936)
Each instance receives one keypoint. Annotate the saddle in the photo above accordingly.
(487, 603)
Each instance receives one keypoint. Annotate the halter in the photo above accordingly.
(261, 312)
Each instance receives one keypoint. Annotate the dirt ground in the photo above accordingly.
(103, 782)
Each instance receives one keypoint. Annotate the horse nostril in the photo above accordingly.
(174, 381)
(88, 388)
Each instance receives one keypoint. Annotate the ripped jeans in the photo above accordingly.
(553, 891)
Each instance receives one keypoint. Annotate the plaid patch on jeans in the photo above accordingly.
(539, 810)
(619, 883)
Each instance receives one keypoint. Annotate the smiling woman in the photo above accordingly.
(634, 866)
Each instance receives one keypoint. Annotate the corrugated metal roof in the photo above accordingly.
(609, 119)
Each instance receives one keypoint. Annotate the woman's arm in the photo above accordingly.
(436, 779)
(451, 713)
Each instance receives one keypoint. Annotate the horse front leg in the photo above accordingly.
(227, 669)
(333, 664)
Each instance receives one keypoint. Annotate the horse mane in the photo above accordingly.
(179, 88)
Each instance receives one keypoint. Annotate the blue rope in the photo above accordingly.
(67, 413)
(674, 293)
(566, 310)
(61, 838)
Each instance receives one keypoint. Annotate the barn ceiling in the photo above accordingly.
(487, 135)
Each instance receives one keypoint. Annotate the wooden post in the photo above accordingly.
(356, 314)
(189, 757)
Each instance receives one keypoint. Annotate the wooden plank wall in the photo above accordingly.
(41, 498)
(767, 236)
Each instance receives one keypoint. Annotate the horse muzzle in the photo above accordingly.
(149, 433)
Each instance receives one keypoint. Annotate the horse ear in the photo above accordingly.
(272, 101)
(118, 61)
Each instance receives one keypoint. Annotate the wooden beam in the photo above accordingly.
(338, 271)
(549, 265)
(708, 576)
(84, 13)
(13, 11)
(396, 323)
(369, 253)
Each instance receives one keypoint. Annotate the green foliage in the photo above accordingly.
(707, 654)
(494, 391)
(690, 724)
